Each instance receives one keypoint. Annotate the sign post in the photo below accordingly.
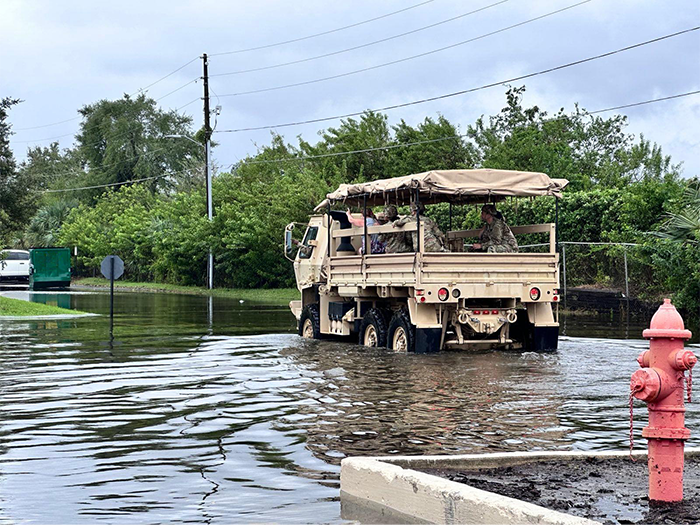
(112, 267)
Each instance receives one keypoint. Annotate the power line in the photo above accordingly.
(132, 94)
(36, 141)
(420, 55)
(465, 91)
(366, 150)
(116, 183)
(645, 102)
(103, 185)
(362, 45)
(340, 153)
(166, 76)
(267, 46)
(452, 137)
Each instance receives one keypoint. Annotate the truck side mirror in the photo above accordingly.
(288, 242)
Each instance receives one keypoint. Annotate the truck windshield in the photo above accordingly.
(310, 235)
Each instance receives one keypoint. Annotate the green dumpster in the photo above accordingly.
(50, 268)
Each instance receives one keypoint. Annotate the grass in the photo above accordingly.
(277, 296)
(19, 308)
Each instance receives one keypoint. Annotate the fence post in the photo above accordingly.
(563, 261)
(627, 282)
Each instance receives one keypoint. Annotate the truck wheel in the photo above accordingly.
(402, 333)
(310, 322)
(373, 329)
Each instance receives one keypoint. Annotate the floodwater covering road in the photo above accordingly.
(212, 411)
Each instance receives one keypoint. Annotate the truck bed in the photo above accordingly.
(474, 269)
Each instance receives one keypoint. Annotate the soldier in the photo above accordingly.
(434, 238)
(496, 237)
(393, 242)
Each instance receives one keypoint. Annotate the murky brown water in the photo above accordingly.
(188, 416)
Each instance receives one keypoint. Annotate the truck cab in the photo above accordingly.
(423, 301)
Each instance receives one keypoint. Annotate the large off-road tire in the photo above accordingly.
(374, 328)
(402, 333)
(310, 322)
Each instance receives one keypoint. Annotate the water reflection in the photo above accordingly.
(189, 417)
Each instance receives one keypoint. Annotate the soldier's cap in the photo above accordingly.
(490, 209)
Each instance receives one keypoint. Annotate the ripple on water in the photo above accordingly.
(181, 422)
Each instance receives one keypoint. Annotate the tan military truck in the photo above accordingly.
(426, 301)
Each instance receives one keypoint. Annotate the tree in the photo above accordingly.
(585, 149)
(124, 140)
(17, 196)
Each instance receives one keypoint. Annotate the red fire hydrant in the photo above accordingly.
(660, 383)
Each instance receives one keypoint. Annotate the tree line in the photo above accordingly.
(622, 189)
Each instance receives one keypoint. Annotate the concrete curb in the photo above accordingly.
(388, 490)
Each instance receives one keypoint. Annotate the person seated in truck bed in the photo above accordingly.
(370, 219)
(434, 238)
(496, 237)
(393, 242)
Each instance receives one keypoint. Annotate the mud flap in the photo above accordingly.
(428, 340)
(543, 338)
(534, 338)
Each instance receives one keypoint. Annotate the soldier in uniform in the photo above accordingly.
(434, 238)
(496, 237)
(393, 242)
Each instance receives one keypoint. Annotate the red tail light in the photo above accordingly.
(477, 312)
(443, 294)
(420, 292)
(535, 294)
(494, 312)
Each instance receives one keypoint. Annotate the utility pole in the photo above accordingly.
(207, 169)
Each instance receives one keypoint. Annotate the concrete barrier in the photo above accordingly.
(389, 490)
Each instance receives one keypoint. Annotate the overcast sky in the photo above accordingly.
(60, 56)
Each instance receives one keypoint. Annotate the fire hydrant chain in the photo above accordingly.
(689, 384)
(632, 425)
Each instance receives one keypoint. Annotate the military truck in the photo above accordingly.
(427, 301)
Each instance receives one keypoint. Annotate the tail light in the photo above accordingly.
(535, 293)
(494, 312)
(443, 294)
(555, 298)
(420, 292)
(477, 312)
(456, 293)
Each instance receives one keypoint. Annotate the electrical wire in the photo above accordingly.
(366, 150)
(362, 45)
(340, 153)
(405, 59)
(140, 90)
(37, 141)
(453, 137)
(267, 46)
(102, 185)
(465, 91)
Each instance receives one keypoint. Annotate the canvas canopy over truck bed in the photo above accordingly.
(424, 301)
(454, 186)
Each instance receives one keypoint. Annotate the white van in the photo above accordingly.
(14, 266)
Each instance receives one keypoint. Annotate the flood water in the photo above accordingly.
(213, 411)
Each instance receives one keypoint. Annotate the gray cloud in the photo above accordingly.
(60, 56)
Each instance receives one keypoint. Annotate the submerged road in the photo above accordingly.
(214, 412)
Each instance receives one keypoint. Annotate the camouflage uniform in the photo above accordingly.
(433, 237)
(498, 238)
(392, 242)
